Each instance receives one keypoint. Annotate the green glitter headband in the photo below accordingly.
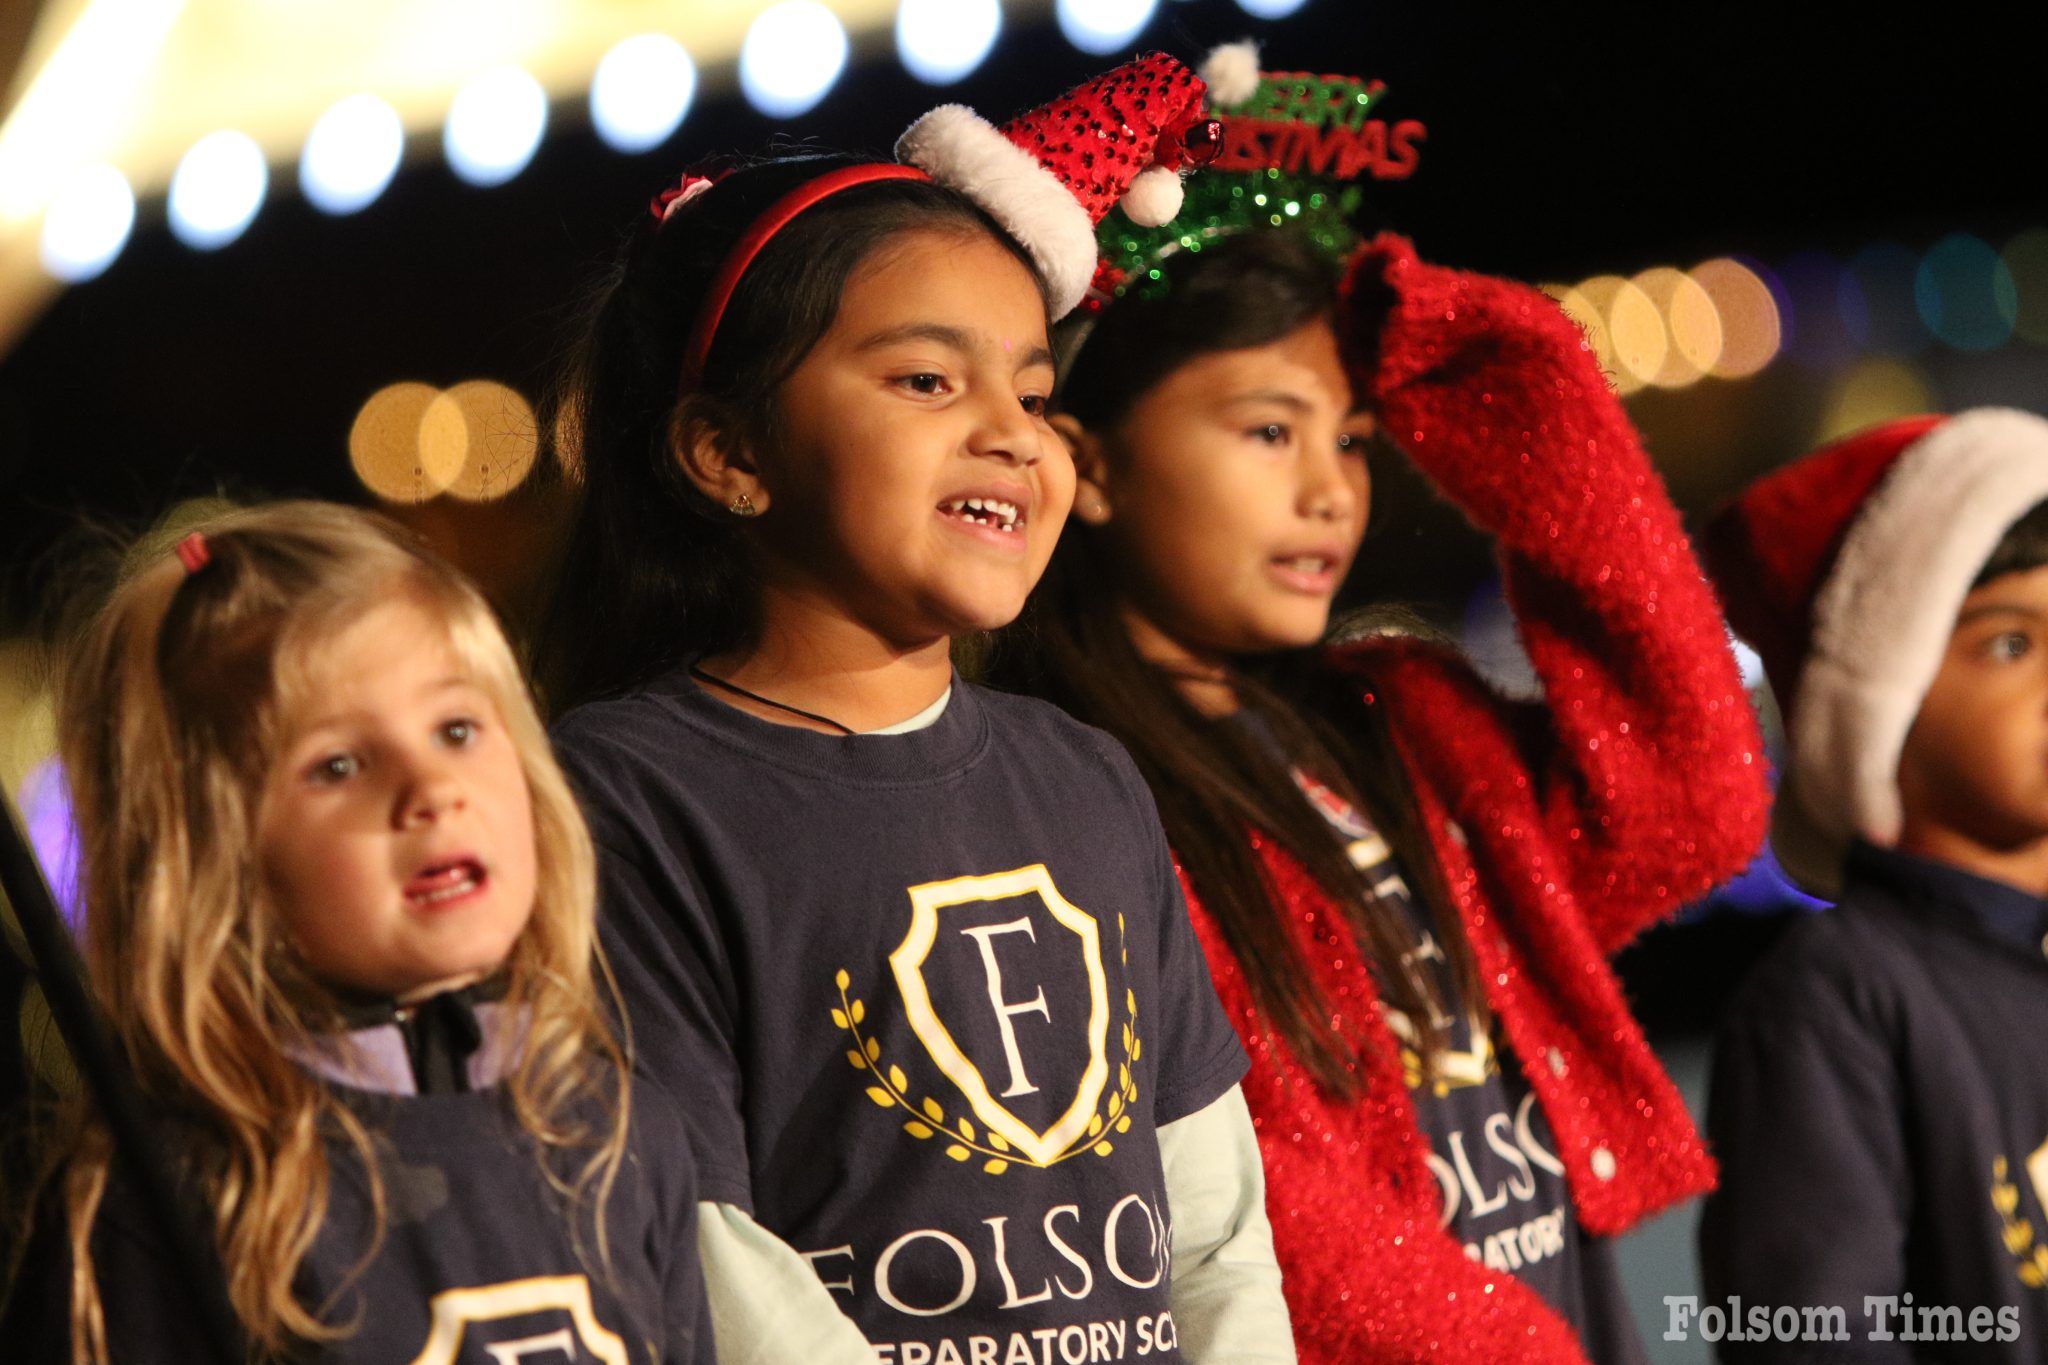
(1294, 153)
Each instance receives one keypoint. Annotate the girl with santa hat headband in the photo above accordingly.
(913, 952)
(1407, 886)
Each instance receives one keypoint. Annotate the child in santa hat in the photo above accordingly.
(1880, 1098)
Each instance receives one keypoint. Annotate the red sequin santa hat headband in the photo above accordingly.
(1047, 176)
(1296, 151)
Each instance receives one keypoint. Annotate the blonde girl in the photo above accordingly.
(339, 912)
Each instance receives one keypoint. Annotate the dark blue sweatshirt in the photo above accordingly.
(1880, 1110)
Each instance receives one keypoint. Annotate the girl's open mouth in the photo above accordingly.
(994, 513)
(442, 883)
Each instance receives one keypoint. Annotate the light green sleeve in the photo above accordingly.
(768, 1307)
(1226, 1297)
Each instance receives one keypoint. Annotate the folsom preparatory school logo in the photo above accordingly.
(1002, 982)
(543, 1321)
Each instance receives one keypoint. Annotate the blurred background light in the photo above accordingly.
(1586, 304)
(217, 189)
(1815, 332)
(1875, 389)
(941, 41)
(793, 53)
(499, 437)
(641, 92)
(1748, 315)
(393, 452)
(351, 154)
(52, 833)
(495, 125)
(1966, 293)
(1636, 328)
(1100, 27)
(1270, 9)
(87, 224)
(1692, 326)
(1877, 300)
(2026, 260)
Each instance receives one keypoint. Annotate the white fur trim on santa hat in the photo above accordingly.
(958, 148)
(1232, 73)
(1882, 622)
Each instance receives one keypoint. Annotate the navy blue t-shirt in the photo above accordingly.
(482, 1259)
(927, 997)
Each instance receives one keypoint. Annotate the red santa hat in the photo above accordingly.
(1047, 176)
(1846, 570)
(1050, 175)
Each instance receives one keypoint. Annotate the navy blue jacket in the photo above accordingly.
(1880, 1110)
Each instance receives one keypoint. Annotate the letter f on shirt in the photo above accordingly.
(1020, 1084)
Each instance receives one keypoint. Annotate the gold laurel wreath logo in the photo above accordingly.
(928, 1120)
(2032, 1257)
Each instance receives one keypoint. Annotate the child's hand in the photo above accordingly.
(1407, 324)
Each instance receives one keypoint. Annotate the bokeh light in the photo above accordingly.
(1692, 326)
(53, 833)
(1748, 315)
(1876, 389)
(1270, 9)
(390, 451)
(642, 90)
(1586, 304)
(1636, 328)
(940, 41)
(2026, 260)
(1966, 294)
(792, 54)
(1100, 27)
(500, 438)
(1816, 333)
(351, 154)
(87, 224)
(216, 190)
(495, 125)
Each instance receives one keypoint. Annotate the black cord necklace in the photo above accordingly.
(701, 676)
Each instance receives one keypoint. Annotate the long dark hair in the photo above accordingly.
(1216, 783)
(655, 573)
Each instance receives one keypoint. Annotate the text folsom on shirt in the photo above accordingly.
(1890, 1317)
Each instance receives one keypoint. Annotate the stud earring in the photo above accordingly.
(743, 506)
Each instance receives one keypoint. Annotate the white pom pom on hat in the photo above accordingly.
(1232, 72)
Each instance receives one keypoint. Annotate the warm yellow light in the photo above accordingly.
(1876, 390)
(2026, 256)
(501, 438)
(393, 451)
(1637, 328)
(1692, 325)
(1587, 305)
(1748, 314)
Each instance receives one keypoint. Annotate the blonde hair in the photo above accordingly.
(172, 705)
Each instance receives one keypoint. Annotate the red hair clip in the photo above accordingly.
(664, 205)
(193, 552)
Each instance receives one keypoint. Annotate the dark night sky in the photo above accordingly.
(1564, 139)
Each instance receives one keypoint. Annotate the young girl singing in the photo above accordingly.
(339, 911)
(960, 1089)
(1407, 887)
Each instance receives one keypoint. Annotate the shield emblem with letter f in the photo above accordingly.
(1028, 909)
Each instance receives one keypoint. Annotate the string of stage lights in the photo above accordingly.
(793, 54)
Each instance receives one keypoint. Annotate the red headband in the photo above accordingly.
(761, 233)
